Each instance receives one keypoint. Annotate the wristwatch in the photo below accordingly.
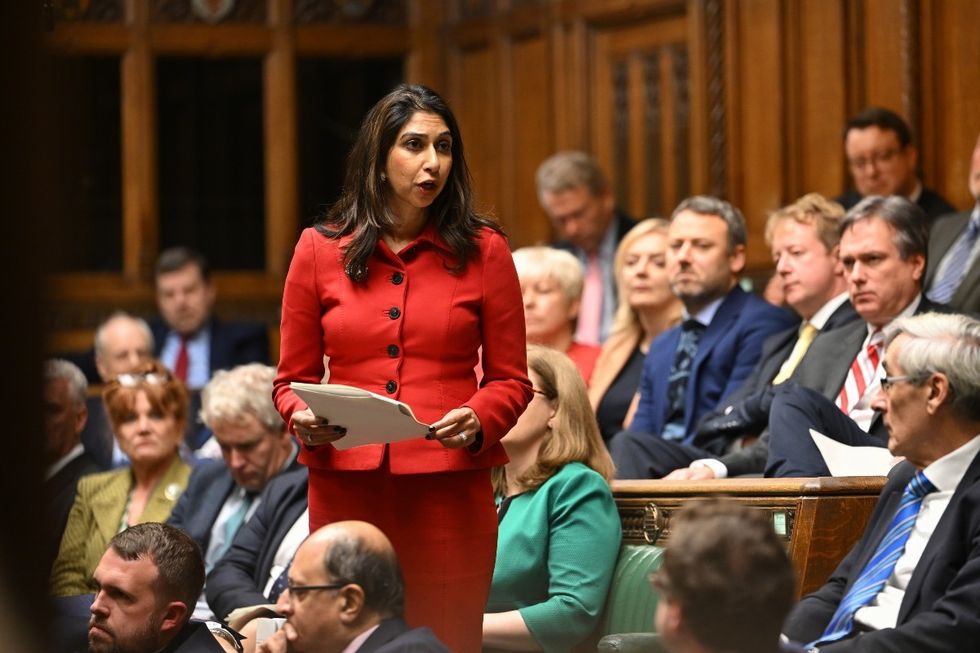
(219, 630)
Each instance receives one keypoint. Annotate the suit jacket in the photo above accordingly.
(622, 223)
(939, 611)
(728, 350)
(194, 637)
(941, 237)
(240, 576)
(932, 203)
(394, 636)
(61, 489)
(231, 343)
(95, 517)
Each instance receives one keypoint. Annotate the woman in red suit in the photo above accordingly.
(399, 287)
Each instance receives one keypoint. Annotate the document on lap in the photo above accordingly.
(368, 417)
(845, 460)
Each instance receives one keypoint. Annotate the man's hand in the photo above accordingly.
(699, 473)
(275, 644)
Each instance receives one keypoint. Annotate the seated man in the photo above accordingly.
(255, 446)
(912, 582)
(725, 584)
(346, 594)
(148, 580)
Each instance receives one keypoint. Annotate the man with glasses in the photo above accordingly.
(346, 593)
(883, 161)
(912, 583)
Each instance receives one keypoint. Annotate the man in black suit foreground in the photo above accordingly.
(912, 583)
(346, 593)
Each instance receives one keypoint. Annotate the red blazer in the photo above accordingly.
(411, 332)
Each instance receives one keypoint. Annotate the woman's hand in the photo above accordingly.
(458, 428)
(312, 430)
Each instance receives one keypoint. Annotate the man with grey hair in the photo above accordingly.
(883, 250)
(912, 583)
(64, 411)
(579, 202)
(692, 367)
(255, 447)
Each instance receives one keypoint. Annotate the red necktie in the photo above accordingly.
(180, 366)
(862, 373)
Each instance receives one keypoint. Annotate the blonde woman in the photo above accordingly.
(647, 307)
(559, 531)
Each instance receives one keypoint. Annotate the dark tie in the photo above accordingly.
(279, 584)
(680, 371)
(874, 575)
(180, 365)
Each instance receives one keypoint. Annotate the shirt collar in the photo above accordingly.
(823, 314)
(59, 464)
(908, 311)
(947, 472)
(358, 641)
(916, 192)
(706, 314)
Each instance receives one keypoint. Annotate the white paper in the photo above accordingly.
(368, 417)
(845, 460)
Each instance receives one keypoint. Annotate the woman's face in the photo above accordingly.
(548, 313)
(533, 422)
(645, 272)
(146, 435)
(419, 162)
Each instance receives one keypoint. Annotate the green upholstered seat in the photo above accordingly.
(631, 603)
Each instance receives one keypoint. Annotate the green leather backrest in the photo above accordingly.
(631, 603)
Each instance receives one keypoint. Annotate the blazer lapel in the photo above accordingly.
(844, 347)
(108, 505)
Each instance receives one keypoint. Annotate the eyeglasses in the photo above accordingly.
(299, 590)
(133, 380)
(888, 381)
(876, 159)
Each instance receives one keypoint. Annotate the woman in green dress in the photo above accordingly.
(559, 532)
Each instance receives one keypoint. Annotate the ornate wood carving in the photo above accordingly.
(620, 131)
(84, 11)
(652, 138)
(386, 12)
(717, 145)
(224, 11)
(682, 119)
(909, 39)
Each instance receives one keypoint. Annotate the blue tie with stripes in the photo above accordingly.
(879, 568)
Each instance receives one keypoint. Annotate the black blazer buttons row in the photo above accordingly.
(397, 278)
(394, 313)
(391, 386)
(393, 351)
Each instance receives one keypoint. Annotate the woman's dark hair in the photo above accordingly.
(362, 209)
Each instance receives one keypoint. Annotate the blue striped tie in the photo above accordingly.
(959, 255)
(879, 568)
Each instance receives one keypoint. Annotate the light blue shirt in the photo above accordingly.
(198, 356)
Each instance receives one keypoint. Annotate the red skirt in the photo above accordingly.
(444, 529)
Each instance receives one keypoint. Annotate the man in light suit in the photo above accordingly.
(692, 367)
(346, 593)
(255, 447)
(883, 249)
(804, 241)
(926, 590)
(953, 272)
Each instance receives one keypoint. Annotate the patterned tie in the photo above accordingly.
(956, 261)
(590, 307)
(180, 365)
(874, 575)
(862, 373)
(680, 371)
(279, 584)
(807, 333)
(230, 529)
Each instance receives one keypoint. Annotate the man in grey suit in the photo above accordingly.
(953, 274)
(883, 250)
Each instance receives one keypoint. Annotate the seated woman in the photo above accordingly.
(646, 308)
(551, 284)
(148, 410)
(559, 532)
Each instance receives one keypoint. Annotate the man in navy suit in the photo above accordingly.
(692, 367)
(255, 447)
(346, 593)
(926, 590)
(188, 339)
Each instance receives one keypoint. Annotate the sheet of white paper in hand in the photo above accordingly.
(845, 460)
(368, 417)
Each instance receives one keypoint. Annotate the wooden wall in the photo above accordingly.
(740, 98)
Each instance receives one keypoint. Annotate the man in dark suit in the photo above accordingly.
(64, 411)
(577, 198)
(912, 582)
(190, 341)
(255, 446)
(692, 367)
(346, 593)
(804, 241)
(884, 161)
(953, 271)
(261, 551)
(883, 250)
